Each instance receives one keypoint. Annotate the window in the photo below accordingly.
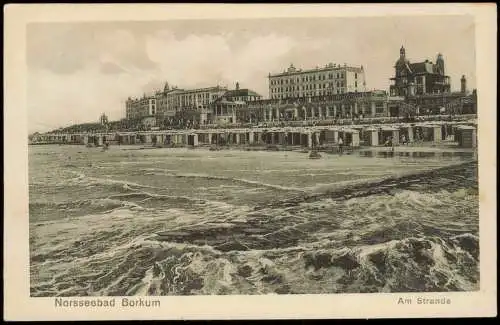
(355, 84)
(355, 75)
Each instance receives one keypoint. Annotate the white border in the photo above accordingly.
(19, 306)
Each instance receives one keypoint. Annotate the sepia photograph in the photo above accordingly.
(259, 156)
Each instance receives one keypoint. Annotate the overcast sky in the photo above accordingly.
(76, 71)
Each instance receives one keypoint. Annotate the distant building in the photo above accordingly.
(103, 119)
(374, 103)
(137, 108)
(242, 95)
(420, 78)
(426, 89)
(166, 103)
(231, 107)
(452, 102)
(329, 80)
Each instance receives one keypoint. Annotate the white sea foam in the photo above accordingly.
(105, 240)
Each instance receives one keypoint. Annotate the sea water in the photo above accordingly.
(199, 222)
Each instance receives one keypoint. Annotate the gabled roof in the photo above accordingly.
(224, 100)
(241, 93)
(422, 67)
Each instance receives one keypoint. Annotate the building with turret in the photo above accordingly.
(426, 88)
(419, 78)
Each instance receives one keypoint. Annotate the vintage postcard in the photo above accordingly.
(249, 161)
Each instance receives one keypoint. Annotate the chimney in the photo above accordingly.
(463, 84)
(237, 86)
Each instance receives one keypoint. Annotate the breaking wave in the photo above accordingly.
(161, 235)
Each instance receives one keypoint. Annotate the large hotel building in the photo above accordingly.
(329, 80)
(211, 103)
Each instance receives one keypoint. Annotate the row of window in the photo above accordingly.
(175, 97)
(379, 108)
(310, 87)
(246, 98)
(200, 96)
(308, 94)
(310, 78)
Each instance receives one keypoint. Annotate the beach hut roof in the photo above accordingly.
(350, 130)
(466, 127)
(389, 128)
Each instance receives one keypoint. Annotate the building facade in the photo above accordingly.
(330, 80)
(232, 107)
(348, 105)
(137, 108)
(426, 89)
(445, 103)
(242, 94)
(209, 105)
(166, 103)
(420, 78)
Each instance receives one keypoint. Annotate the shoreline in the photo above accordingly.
(444, 146)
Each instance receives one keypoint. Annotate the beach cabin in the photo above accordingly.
(360, 129)
(192, 139)
(331, 136)
(466, 136)
(387, 132)
(371, 137)
(408, 131)
(433, 133)
(429, 132)
(350, 137)
(447, 131)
